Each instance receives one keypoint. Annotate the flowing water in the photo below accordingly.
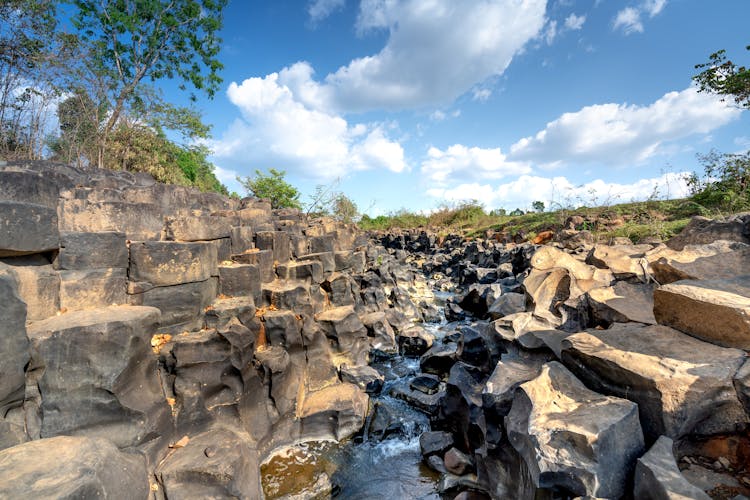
(383, 462)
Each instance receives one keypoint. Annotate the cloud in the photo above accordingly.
(481, 94)
(435, 51)
(461, 162)
(618, 134)
(629, 18)
(277, 129)
(561, 192)
(321, 9)
(574, 22)
(629, 21)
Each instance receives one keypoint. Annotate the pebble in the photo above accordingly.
(210, 451)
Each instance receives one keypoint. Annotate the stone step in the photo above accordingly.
(165, 263)
(240, 280)
(261, 258)
(717, 311)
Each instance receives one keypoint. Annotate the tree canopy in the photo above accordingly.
(272, 186)
(721, 76)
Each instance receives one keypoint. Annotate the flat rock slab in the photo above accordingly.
(681, 384)
(657, 476)
(92, 289)
(718, 260)
(164, 263)
(98, 376)
(717, 311)
(71, 467)
(573, 438)
(83, 251)
(198, 228)
(26, 228)
(623, 302)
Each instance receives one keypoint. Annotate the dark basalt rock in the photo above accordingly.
(426, 384)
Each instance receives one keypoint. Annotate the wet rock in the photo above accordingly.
(572, 438)
(458, 462)
(436, 463)
(435, 443)
(414, 341)
(717, 311)
(26, 228)
(426, 384)
(82, 251)
(682, 385)
(506, 304)
(365, 377)
(98, 376)
(427, 403)
(340, 409)
(382, 336)
(658, 478)
(473, 349)
(164, 263)
(229, 469)
(438, 360)
(480, 298)
(72, 467)
(621, 303)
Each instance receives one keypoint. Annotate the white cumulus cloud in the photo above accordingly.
(574, 22)
(276, 129)
(629, 19)
(462, 162)
(558, 192)
(321, 9)
(436, 50)
(617, 134)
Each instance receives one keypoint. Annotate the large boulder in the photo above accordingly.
(573, 439)
(217, 463)
(657, 476)
(717, 311)
(97, 375)
(72, 467)
(682, 385)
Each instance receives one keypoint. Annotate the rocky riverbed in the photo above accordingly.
(164, 343)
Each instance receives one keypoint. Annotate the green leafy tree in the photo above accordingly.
(272, 186)
(721, 76)
(344, 209)
(129, 42)
(725, 183)
(538, 206)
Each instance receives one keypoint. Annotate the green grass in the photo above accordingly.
(636, 221)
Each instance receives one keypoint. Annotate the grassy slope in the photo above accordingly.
(636, 221)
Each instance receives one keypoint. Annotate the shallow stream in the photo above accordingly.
(383, 461)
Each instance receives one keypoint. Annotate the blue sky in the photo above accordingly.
(414, 103)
